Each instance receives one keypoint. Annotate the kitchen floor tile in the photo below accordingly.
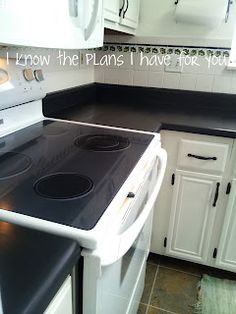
(155, 310)
(154, 259)
(181, 265)
(149, 280)
(174, 291)
(142, 308)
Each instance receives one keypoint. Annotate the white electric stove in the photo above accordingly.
(95, 184)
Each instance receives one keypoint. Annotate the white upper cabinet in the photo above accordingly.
(68, 24)
(122, 15)
(111, 10)
(130, 14)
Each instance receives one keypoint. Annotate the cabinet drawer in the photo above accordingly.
(202, 156)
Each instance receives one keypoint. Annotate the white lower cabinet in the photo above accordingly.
(62, 302)
(195, 213)
(226, 257)
(192, 215)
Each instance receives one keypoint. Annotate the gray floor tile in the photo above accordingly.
(174, 291)
(154, 310)
(154, 259)
(181, 265)
(142, 309)
(149, 279)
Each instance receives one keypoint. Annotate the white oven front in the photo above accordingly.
(114, 274)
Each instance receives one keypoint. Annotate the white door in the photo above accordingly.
(226, 257)
(111, 10)
(130, 13)
(192, 216)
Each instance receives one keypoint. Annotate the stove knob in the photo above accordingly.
(28, 74)
(38, 74)
(4, 77)
(131, 195)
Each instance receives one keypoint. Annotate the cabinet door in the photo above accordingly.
(111, 10)
(130, 14)
(226, 257)
(192, 216)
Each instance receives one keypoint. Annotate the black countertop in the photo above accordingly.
(33, 266)
(146, 109)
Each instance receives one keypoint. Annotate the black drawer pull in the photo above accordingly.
(216, 194)
(126, 9)
(202, 157)
(121, 9)
(131, 195)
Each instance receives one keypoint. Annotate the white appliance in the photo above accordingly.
(67, 24)
(116, 249)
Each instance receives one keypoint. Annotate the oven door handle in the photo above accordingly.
(125, 240)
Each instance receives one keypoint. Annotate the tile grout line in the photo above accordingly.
(181, 271)
(154, 280)
(159, 308)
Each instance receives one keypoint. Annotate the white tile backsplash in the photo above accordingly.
(198, 77)
(140, 78)
(204, 82)
(233, 83)
(171, 80)
(155, 79)
(222, 84)
(188, 81)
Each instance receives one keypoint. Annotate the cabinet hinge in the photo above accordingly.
(228, 189)
(173, 179)
(215, 253)
(165, 242)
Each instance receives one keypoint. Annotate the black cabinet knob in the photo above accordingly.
(131, 195)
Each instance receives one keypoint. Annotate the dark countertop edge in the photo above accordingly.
(197, 130)
(176, 99)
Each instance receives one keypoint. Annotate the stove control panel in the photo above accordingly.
(19, 83)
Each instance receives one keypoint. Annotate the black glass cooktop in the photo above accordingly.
(64, 172)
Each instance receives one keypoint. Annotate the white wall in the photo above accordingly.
(57, 77)
(157, 26)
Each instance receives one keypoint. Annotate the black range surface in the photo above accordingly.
(64, 172)
(33, 266)
(143, 108)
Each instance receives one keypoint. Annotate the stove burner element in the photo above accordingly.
(63, 186)
(12, 164)
(102, 142)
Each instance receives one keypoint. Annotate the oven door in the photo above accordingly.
(121, 285)
(114, 274)
(117, 288)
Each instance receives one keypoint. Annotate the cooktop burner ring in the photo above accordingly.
(13, 164)
(63, 186)
(102, 142)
